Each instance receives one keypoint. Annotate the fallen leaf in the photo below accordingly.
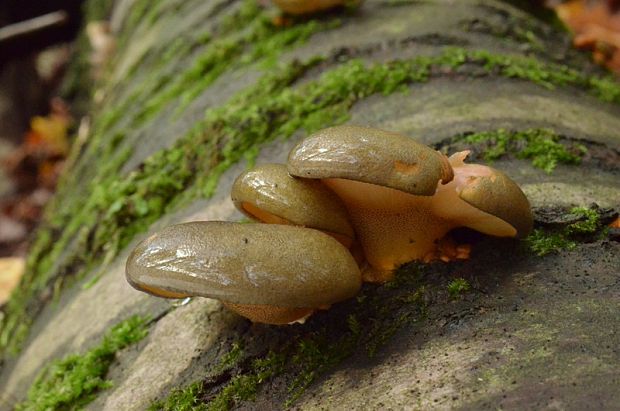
(48, 133)
(11, 271)
(596, 26)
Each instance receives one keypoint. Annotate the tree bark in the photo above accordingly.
(197, 90)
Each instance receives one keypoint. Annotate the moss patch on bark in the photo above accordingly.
(588, 226)
(74, 381)
(542, 146)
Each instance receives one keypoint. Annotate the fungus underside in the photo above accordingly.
(363, 325)
(114, 207)
(75, 380)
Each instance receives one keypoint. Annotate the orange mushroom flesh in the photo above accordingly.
(395, 226)
(269, 314)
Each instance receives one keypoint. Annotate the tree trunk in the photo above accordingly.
(197, 90)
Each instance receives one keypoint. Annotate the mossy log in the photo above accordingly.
(198, 90)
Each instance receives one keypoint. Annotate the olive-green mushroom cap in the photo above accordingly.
(270, 188)
(297, 7)
(372, 156)
(260, 264)
(498, 195)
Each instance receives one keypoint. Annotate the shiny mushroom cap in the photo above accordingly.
(496, 194)
(254, 264)
(372, 156)
(270, 194)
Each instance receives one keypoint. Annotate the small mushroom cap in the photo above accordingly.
(259, 264)
(498, 195)
(270, 194)
(372, 156)
(298, 7)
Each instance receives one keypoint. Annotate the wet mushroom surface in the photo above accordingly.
(269, 273)
(352, 204)
(301, 7)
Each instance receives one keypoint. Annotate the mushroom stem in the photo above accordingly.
(393, 227)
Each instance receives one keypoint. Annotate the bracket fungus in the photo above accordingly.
(404, 197)
(351, 205)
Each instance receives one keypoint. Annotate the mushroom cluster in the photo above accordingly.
(351, 205)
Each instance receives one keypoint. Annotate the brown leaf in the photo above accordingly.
(596, 27)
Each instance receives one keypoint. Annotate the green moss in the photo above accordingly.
(541, 146)
(74, 381)
(589, 223)
(186, 399)
(189, 398)
(166, 80)
(318, 354)
(244, 387)
(138, 13)
(457, 287)
(91, 224)
(232, 357)
(543, 242)
(261, 43)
